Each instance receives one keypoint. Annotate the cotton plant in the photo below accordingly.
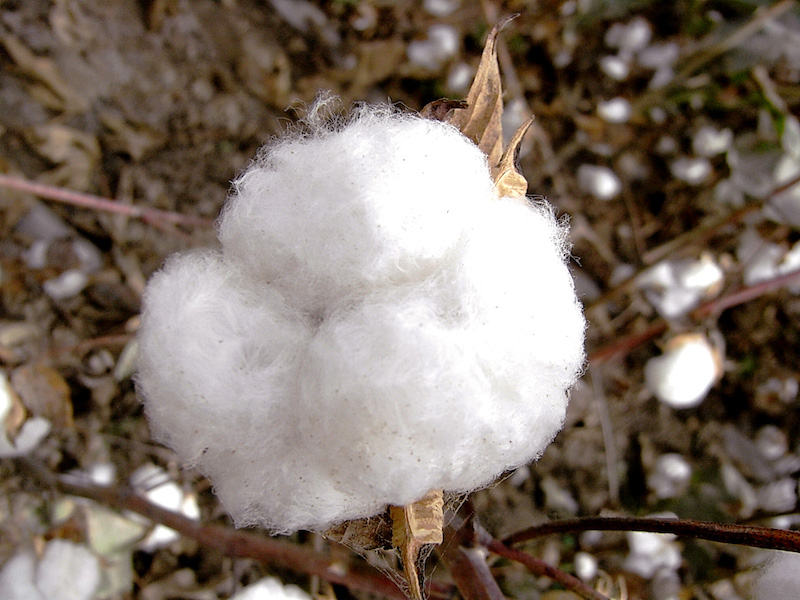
(387, 317)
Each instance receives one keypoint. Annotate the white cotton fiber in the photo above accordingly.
(780, 579)
(377, 324)
(270, 588)
(66, 571)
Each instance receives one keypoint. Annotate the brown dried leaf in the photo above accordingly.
(441, 110)
(15, 417)
(370, 533)
(44, 392)
(45, 71)
(138, 140)
(481, 120)
(76, 153)
(414, 526)
(509, 182)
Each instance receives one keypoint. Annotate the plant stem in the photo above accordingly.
(541, 568)
(230, 542)
(745, 535)
(466, 562)
(712, 307)
(99, 203)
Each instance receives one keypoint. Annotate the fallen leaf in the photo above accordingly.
(45, 393)
(136, 140)
(46, 72)
(76, 153)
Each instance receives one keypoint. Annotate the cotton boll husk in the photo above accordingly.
(347, 206)
(377, 324)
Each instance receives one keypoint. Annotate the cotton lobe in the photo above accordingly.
(377, 324)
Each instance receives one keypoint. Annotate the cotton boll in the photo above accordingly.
(691, 170)
(215, 348)
(270, 588)
(601, 182)
(780, 580)
(652, 552)
(329, 215)
(156, 485)
(670, 476)
(709, 141)
(441, 8)
(440, 46)
(17, 578)
(67, 285)
(676, 287)
(377, 324)
(586, 566)
(632, 37)
(616, 67)
(67, 571)
(616, 110)
(683, 375)
(659, 56)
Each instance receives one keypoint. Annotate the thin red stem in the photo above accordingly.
(745, 535)
(90, 201)
(541, 568)
(712, 307)
(240, 544)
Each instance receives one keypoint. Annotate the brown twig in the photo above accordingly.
(744, 535)
(692, 238)
(466, 562)
(230, 542)
(745, 294)
(92, 202)
(541, 568)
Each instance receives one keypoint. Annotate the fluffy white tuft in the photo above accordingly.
(377, 324)
(684, 374)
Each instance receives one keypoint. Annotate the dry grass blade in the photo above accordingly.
(414, 526)
(481, 121)
(509, 182)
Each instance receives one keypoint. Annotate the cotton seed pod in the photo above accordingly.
(377, 324)
(683, 375)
